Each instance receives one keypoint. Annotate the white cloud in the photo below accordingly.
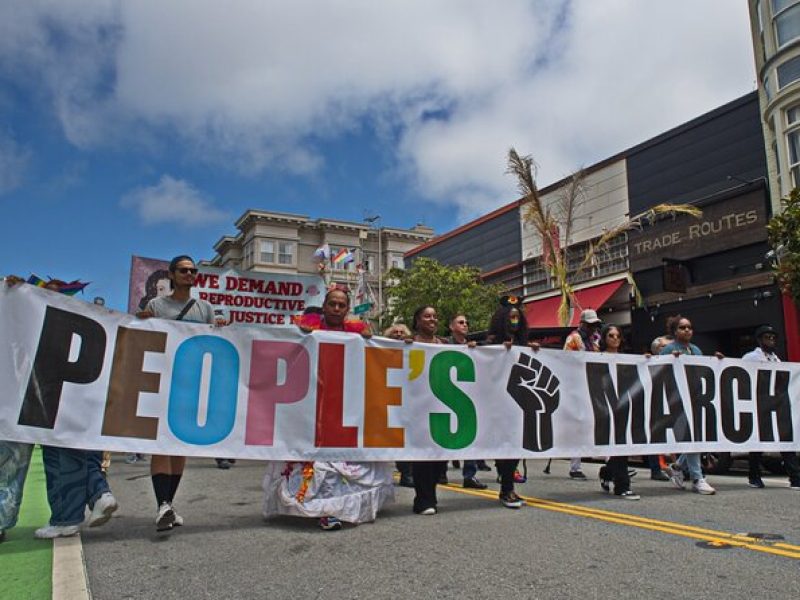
(14, 161)
(254, 85)
(173, 201)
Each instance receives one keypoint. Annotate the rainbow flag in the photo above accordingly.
(73, 287)
(343, 257)
(70, 289)
(37, 281)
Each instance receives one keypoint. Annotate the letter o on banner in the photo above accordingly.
(184, 395)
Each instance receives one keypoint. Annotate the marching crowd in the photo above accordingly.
(353, 492)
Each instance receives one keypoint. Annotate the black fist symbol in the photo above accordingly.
(534, 387)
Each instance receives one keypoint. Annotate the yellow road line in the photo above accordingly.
(669, 527)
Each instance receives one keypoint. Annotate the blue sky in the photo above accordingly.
(148, 127)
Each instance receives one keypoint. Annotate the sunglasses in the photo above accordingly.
(615, 336)
(185, 270)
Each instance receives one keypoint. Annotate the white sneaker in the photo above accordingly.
(675, 474)
(701, 486)
(102, 510)
(178, 519)
(428, 511)
(49, 532)
(165, 518)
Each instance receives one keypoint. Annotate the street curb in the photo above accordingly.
(69, 570)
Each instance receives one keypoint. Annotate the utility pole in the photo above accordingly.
(372, 220)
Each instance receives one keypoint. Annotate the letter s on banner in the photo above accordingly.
(451, 395)
(184, 395)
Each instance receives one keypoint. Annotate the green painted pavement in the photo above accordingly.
(26, 563)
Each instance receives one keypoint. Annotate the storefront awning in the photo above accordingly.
(544, 313)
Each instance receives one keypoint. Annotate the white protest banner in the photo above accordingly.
(248, 297)
(74, 374)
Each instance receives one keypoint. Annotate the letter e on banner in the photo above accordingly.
(265, 390)
(128, 380)
(378, 397)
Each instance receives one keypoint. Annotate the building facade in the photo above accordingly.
(277, 242)
(712, 270)
(775, 28)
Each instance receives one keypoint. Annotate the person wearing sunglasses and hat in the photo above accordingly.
(583, 338)
(767, 339)
(166, 471)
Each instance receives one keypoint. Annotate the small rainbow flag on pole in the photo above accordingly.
(343, 257)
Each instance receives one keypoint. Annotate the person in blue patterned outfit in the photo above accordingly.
(74, 480)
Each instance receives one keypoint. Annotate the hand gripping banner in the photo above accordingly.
(78, 375)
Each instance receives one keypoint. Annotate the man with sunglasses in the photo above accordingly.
(166, 471)
(767, 339)
(459, 328)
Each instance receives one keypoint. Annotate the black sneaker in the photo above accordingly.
(605, 484)
(442, 480)
(474, 483)
(223, 463)
(577, 475)
(659, 476)
(511, 500)
(628, 495)
(482, 466)
(755, 482)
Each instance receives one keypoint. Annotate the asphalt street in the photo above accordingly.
(571, 541)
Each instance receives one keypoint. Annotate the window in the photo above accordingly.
(267, 252)
(787, 24)
(788, 72)
(535, 277)
(397, 262)
(779, 5)
(371, 263)
(614, 258)
(285, 253)
(247, 260)
(575, 257)
(793, 142)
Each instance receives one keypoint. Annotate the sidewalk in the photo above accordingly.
(27, 563)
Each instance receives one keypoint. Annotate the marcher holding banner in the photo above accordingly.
(331, 491)
(74, 478)
(584, 338)
(166, 471)
(766, 338)
(510, 328)
(426, 473)
(681, 330)
(616, 467)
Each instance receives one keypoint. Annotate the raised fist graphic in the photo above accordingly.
(534, 387)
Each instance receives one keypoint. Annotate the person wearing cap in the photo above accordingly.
(767, 338)
(583, 338)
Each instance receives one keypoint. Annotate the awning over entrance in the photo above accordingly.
(544, 313)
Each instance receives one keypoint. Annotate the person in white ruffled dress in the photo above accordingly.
(333, 492)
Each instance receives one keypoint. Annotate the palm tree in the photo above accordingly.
(555, 219)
